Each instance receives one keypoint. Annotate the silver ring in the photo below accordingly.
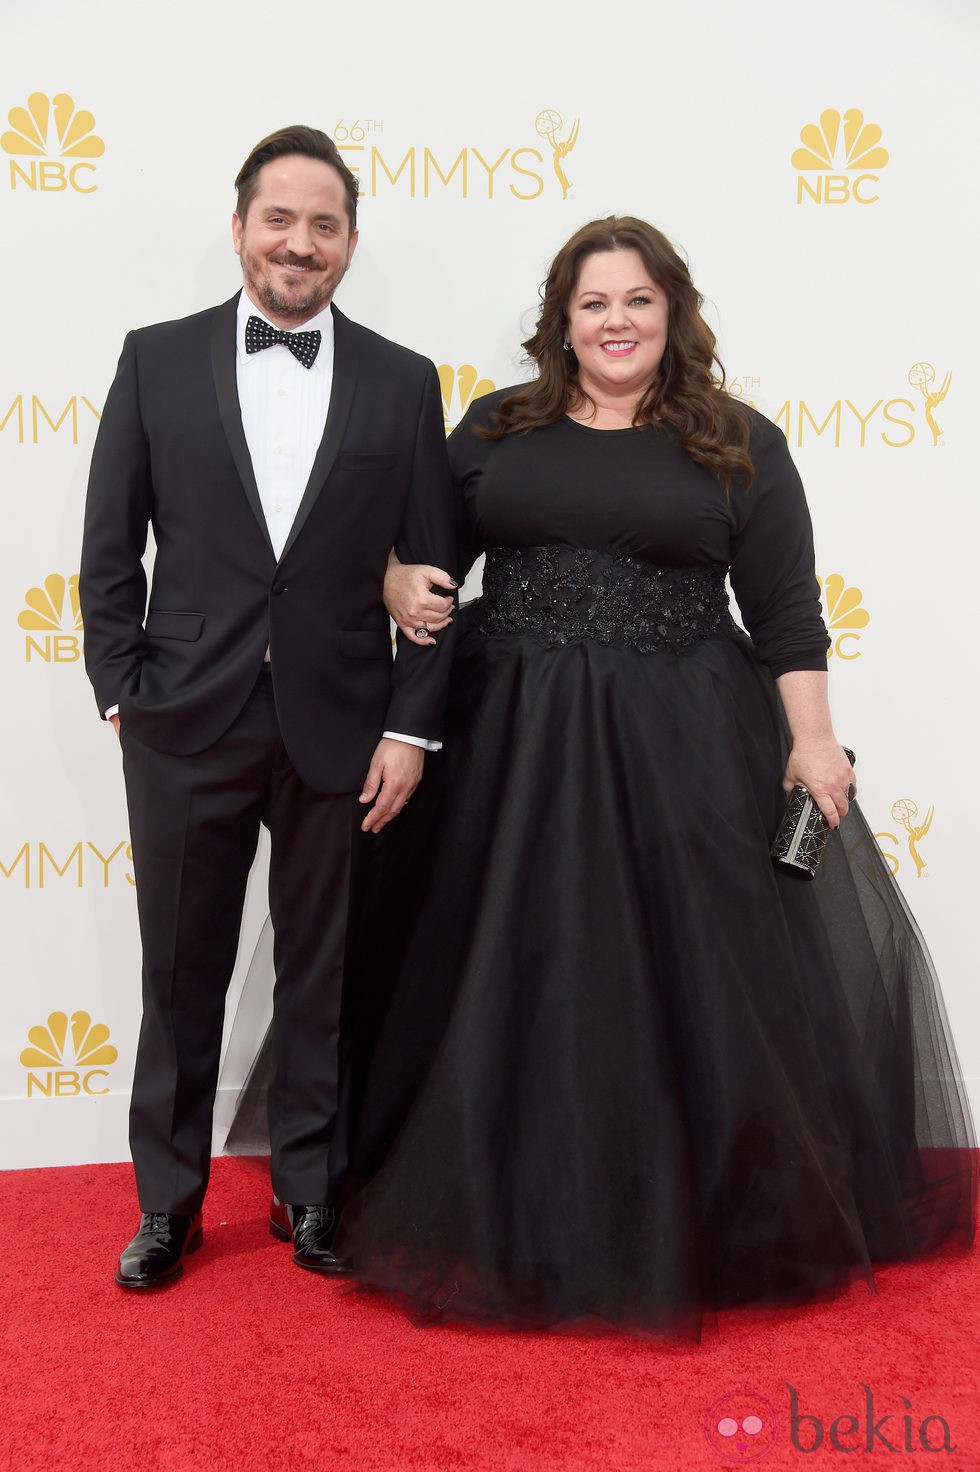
(422, 631)
(850, 792)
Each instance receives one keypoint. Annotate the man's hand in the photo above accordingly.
(114, 722)
(394, 774)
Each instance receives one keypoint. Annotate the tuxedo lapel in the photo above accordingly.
(224, 367)
(341, 400)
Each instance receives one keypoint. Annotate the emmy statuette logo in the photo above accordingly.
(460, 386)
(71, 1066)
(923, 377)
(837, 159)
(548, 125)
(912, 828)
(845, 615)
(57, 142)
(905, 811)
(52, 620)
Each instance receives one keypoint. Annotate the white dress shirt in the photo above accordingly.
(284, 408)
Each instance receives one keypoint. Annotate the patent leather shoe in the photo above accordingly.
(311, 1231)
(155, 1257)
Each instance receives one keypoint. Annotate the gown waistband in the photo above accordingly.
(561, 595)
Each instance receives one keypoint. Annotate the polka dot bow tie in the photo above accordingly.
(304, 346)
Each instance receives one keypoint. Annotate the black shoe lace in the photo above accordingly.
(158, 1221)
(314, 1231)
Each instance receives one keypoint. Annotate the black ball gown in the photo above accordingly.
(628, 1071)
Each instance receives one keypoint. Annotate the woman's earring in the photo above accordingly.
(566, 345)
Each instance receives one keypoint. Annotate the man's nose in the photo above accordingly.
(301, 240)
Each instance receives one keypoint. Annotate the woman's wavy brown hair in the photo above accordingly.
(688, 390)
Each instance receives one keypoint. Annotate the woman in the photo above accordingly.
(631, 1071)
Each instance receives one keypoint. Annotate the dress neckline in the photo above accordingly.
(591, 428)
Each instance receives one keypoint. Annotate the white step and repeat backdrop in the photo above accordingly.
(809, 161)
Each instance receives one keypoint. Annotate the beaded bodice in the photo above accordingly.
(560, 595)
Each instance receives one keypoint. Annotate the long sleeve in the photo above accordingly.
(772, 566)
(421, 675)
(468, 455)
(118, 509)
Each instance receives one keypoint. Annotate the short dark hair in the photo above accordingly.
(309, 143)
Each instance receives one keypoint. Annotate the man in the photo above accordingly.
(277, 468)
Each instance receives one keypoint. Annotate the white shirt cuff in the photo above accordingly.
(413, 740)
(112, 711)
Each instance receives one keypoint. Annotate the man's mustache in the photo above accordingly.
(291, 260)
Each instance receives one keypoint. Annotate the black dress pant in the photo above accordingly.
(194, 823)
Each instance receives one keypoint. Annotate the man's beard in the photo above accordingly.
(275, 304)
(297, 309)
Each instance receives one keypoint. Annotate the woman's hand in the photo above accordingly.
(824, 770)
(418, 611)
(817, 760)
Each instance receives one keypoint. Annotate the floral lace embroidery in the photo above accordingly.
(559, 595)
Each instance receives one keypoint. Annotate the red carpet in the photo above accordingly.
(250, 1363)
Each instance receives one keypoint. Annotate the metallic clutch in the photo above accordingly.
(803, 833)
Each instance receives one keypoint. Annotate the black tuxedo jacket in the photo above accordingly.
(171, 454)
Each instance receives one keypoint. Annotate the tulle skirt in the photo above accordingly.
(612, 1067)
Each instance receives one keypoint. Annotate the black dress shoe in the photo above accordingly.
(310, 1229)
(155, 1257)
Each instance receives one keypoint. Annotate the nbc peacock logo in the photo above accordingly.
(52, 620)
(845, 615)
(72, 1055)
(57, 142)
(839, 159)
(460, 386)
